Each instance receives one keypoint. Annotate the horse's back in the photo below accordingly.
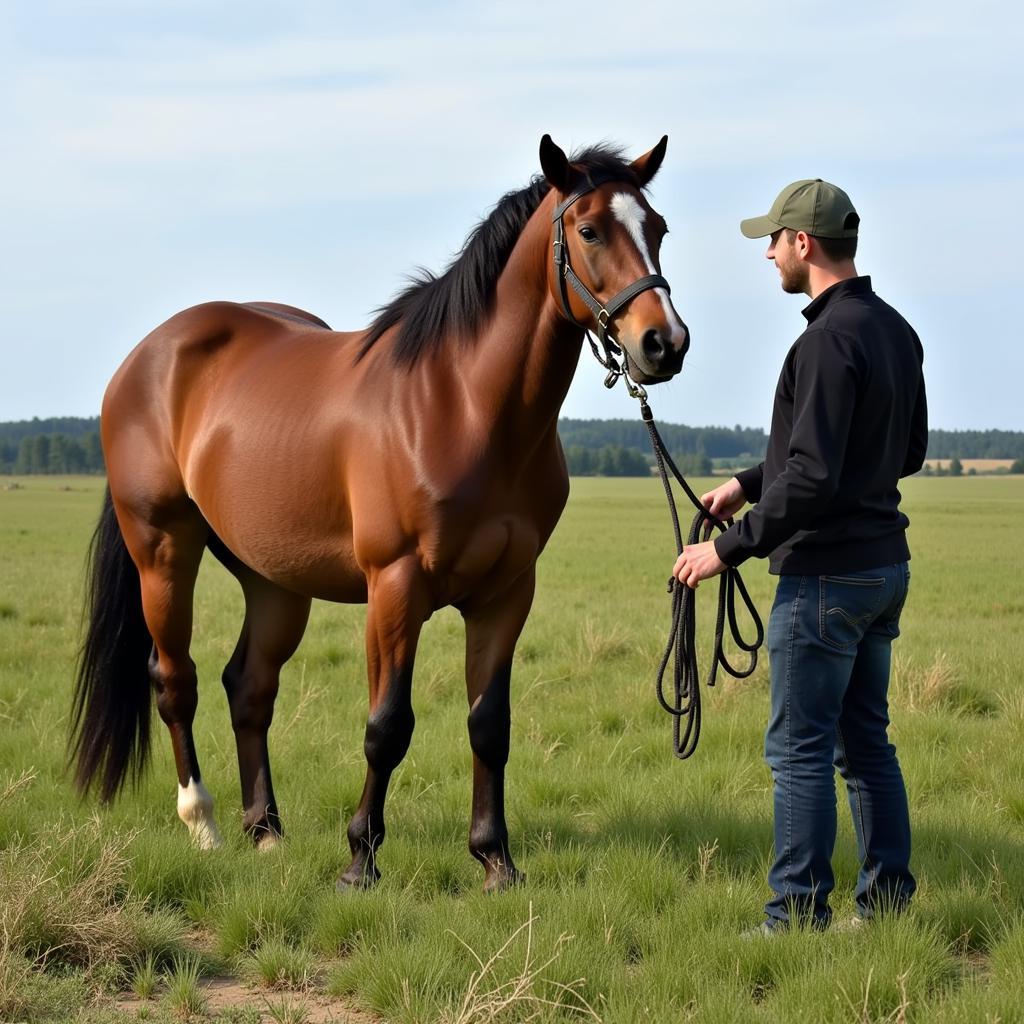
(176, 362)
(293, 313)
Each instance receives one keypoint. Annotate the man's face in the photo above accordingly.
(794, 273)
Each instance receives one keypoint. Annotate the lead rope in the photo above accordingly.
(681, 648)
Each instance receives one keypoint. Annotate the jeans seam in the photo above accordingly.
(794, 615)
(856, 789)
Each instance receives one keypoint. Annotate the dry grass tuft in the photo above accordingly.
(596, 644)
(15, 970)
(526, 997)
(937, 687)
(921, 690)
(12, 785)
(64, 903)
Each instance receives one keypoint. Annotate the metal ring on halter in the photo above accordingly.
(635, 390)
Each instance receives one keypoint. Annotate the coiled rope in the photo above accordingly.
(681, 648)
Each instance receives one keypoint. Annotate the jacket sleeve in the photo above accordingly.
(752, 480)
(917, 446)
(826, 372)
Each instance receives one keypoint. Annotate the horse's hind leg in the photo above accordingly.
(275, 620)
(398, 605)
(492, 631)
(167, 556)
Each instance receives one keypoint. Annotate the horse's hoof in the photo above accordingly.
(207, 838)
(195, 808)
(268, 841)
(503, 879)
(357, 878)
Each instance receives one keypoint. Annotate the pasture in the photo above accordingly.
(641, 871)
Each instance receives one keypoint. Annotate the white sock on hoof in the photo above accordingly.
(195, 808)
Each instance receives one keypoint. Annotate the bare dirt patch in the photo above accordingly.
(229, 993)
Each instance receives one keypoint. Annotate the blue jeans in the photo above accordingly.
(829, 641)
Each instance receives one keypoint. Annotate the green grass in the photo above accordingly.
(184, 995)
(144, 979)
(276, 964)
(641, 871)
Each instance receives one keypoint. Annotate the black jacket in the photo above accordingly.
(850, 419)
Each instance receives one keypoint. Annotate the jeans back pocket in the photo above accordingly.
(847, 605)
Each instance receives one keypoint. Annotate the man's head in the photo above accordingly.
(813, 230)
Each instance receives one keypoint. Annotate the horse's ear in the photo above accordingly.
(646, 167)
(555, 164)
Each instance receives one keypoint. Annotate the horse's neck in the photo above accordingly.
(523, 363)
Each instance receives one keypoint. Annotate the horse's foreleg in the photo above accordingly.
(491, 635)
(398, 605)
(275, 620)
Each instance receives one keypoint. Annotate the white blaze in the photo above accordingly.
(631, 215)
(195, 808)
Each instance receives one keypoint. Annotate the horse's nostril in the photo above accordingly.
(653, 346)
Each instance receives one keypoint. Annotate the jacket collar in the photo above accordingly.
(851, 286)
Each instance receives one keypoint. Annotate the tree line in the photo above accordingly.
(975, 444)
(52, 453)
(714, 442)
(70, 444)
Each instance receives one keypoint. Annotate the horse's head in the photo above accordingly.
(606, 273)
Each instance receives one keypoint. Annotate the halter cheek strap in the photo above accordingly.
(602, 313)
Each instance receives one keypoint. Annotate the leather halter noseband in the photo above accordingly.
(603, 313)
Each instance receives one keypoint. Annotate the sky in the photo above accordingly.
(158, 155)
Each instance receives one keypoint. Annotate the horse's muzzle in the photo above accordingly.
(657, 359)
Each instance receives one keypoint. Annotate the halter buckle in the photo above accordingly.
(603, 324)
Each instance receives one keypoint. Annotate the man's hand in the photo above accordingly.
(698, 562)
(725, 501)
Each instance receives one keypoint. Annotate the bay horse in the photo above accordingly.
(412, 465)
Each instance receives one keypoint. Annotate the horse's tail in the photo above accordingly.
(110, 714)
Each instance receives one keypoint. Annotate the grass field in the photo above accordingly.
(641, 871)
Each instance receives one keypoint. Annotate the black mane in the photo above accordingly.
(433, 311)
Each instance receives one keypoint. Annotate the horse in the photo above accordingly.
(412, 465)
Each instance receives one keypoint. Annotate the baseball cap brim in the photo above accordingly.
(759, 227)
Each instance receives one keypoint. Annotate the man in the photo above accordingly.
(849, 420)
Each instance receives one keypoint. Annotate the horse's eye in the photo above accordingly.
(588, 234)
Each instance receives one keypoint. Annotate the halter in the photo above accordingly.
(603, 313)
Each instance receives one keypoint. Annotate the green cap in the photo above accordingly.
(811, 205)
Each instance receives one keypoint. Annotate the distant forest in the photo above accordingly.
(66, 444)
(70, 444)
